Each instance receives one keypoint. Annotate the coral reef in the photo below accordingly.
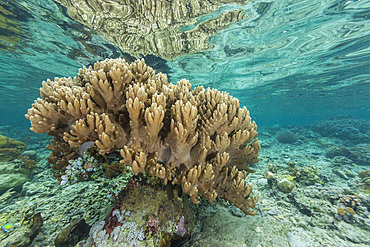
(351, 130)
(27, 162)
(200, 139)
(71, 235)
(162, 215)
(360, 154)
(365, 182)
(163, 28)
(25, 224)
(15, 173)
(353, 209)
(309, 176)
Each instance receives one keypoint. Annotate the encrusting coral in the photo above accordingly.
(200, 139)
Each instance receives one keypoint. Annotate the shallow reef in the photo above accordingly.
(168, 142)
(333, 211)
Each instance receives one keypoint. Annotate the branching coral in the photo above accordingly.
(200, 139)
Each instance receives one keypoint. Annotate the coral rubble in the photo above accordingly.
(200, 139)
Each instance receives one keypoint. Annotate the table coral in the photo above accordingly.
(200, 139)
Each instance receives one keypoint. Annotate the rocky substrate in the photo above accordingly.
(309, 195)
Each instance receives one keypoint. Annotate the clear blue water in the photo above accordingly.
(289, 62)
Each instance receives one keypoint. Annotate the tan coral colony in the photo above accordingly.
(200, 139)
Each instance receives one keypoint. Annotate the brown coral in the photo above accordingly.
(159, 27)
(200, 139)
(113, 169)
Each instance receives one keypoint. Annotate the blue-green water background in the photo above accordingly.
(290, 62)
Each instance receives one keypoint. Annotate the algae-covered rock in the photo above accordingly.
(32, 154)
(285, 185)
(76, 231)
(24, 233)
(145, 215)
(15, 181)
(310, 176)
(364, 174)
(344, 173)
(359, 154)
(6, 142)
(365, 182)
(8, 154)
(10, 149)
(287, 137)
(15, 169)
(13, 175)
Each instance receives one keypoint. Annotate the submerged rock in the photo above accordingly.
(145, 214)
(352, 130)
(13, 176)
(76, 231)
(287, 137)
(359, 154)
(285, 185)
(24, 235)
(30, 153)
(310, 176)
